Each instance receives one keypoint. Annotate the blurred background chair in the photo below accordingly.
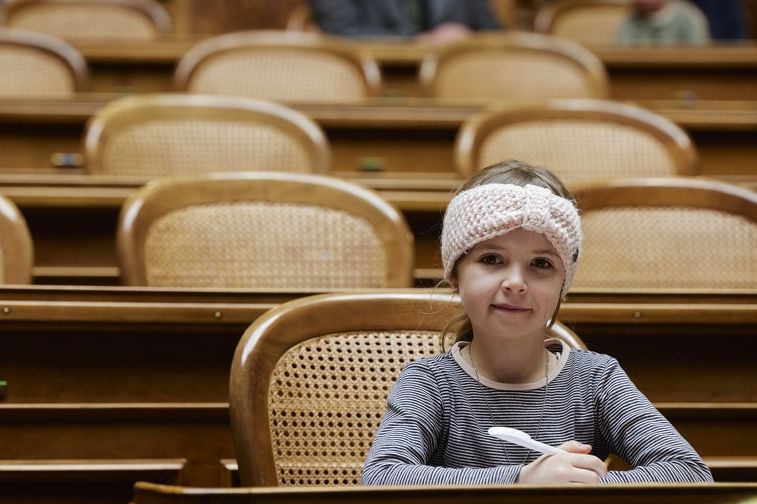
(90, 19)
(580, 140)
(670, 234)
(512, 66)
(35, 65)
(265, 230)
(589, 22)
(16, 249)
(159, 135)
(286, 66)
(309, 380)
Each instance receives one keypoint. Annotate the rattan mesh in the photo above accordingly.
(82, 22)
(327, 398)
(579, 151)
(595, 25)
(173, 147)
(29, 73)
(674, 248)
(287, 75)
(2, 268)
(265, 245)
(506, 75)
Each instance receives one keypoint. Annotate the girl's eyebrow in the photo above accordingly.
(494, 248)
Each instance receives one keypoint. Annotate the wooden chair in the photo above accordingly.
(512, 66)
(309, 380)
(35, 65)
(265, 230)
(286, 65)
(16, 250)
(580, 140)
(588, 22)
(668, 234)
(90, 19)
(158, 135)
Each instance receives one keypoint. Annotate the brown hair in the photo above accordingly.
(515, 173)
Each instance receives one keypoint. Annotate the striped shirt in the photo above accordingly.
(435, 428)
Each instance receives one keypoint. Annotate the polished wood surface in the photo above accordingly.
(146, 493)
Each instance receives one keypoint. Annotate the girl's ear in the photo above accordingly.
(453, 283)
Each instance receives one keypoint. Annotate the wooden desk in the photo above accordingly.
(393, 136)
(146, 493)
(111, 385)
(641, 73)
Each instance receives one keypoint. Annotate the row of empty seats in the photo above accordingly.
(283, 230)
(305, 67)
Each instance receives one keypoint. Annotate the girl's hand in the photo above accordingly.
(576, 466)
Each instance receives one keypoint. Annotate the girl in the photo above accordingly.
(510, 245)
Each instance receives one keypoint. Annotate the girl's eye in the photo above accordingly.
(541, 263)
(490, 259)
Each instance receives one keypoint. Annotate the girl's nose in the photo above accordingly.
(514, 281)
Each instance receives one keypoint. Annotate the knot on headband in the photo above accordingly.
(490, 210)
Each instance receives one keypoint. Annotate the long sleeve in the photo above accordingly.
(360, 18)
(411, 431)
(638, 433)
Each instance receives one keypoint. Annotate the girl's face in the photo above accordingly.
(510, 285)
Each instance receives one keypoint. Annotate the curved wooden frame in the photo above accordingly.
(130, 110)
(150, 9)
(367, 68)
(668, 192)
(162, 196)
(51, 46)
(280, 329)
(548, 14)
(516, 41)
(477, 128)
(16, 245)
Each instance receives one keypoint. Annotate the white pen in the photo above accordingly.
(519, 437)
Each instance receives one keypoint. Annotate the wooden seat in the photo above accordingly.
(677, 234)
(90, 19)
(589, 22)
(285, 66)
(263, 230)
(580, 140)
(309, 380)
(512, 66)
(16, 251)
(154, 135)
(35, 65)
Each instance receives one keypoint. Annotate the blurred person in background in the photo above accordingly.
(664, 22)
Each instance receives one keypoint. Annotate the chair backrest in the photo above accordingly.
(279, 65)
(159, 135)
(35, 65)
(90, 19)
(589, 22)
(263, 230)
(580, 140)
(309, 380)
(16, 250)
(676, 234)
(512, 66)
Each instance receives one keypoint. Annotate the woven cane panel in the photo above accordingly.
(27, 73)
(579, 151)
(518, 75)
(327, 398)
(676, 248)
(265, 245)
(2, 267)
(83, 22)
(280, 75)
(178, 147)
(597, 25)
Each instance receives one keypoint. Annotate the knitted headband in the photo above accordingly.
(490, 210)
